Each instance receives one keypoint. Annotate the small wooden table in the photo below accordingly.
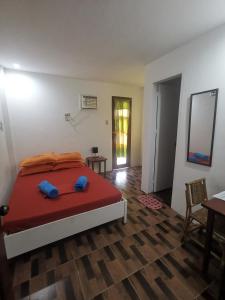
(214, 206)
(97, 159)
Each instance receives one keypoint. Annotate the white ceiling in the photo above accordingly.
(108, 40)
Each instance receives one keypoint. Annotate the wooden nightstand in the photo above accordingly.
(91, 160)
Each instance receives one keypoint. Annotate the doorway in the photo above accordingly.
(168, 98)
(121, 132)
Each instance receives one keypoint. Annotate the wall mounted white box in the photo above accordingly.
(88, 102)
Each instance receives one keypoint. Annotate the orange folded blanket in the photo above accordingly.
(68, 165)
(45, 158)
(50, 161)
(36, 169)
(66, 157)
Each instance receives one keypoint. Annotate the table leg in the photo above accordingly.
(88, 162)
(99, 167)
(92, 165)
(104, 168)
(209, 234)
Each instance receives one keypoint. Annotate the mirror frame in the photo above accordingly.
(216, 91)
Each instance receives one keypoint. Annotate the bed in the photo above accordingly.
(34, 220)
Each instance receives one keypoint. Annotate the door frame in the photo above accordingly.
(114, 165)
(157, 126)
(156, 140)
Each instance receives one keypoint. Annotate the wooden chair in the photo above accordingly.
(196, 194)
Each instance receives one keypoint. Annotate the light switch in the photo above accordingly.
(1, 126)
(67, 117)
(106, 122)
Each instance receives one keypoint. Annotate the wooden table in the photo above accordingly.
(214, 206)
(92, 160)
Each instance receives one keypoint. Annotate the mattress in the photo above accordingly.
(29, 208)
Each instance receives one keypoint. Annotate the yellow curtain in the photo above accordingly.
(121, 117)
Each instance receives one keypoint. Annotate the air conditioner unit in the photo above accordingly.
(88, 102)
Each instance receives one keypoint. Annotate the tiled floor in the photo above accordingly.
(143, 259)
(165, 195)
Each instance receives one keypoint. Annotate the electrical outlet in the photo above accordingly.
(67, 117)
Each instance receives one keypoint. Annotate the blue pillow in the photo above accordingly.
(193, 159)
(201, 155)
(81, 183)
(48, 189)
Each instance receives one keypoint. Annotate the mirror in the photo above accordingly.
(201, 127)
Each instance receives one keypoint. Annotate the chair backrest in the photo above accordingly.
(196, 192)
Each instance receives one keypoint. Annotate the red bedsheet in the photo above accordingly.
(28, 207)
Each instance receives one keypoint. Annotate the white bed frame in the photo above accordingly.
(30, 239)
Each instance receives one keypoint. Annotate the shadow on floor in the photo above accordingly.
(165, 196)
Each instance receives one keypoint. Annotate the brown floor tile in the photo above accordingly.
(143, 259)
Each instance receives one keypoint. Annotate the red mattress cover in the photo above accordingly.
(28, 207)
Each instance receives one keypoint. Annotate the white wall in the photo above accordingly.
(202, 64)
(7, 171)
(37, 104)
